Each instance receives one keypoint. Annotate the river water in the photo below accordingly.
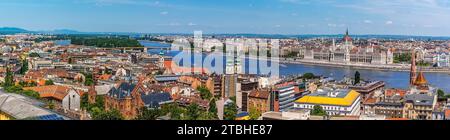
(393, 79)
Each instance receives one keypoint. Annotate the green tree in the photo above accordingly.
(89, 80)
(318, 111)
(357, 78)
(254, 113)
(193, 112)
(84, 103)
(173, 110)
(205, 115)
(33, 55)
(14, 89)
(107, 115)
(402, 58)
(27, 84)
(31, 93)
(212, 106)
(49, 82)
(9, 78)
(204, 92)
(99, 101)
(308, 76)
(105, 42)
(148, 114)
(292, 55)
(50, 105)
(441, 93)
(95, 111)
(230, 111)
(24, 68)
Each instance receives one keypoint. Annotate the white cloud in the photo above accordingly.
(332, 25)
(389, 22)
(367, 21)
(192, 24)
(164, 13)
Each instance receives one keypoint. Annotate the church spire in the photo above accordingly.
(346, 32)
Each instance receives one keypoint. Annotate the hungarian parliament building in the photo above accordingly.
(347, 52)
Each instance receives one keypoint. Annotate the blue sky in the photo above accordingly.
(402, 17)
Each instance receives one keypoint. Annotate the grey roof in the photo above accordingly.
(420, 99)
(103, 89)
(19, 107)
(154, 99)
(340, 93)
(124, 90)
(166, 78)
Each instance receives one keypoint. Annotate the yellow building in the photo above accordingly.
(342, 102)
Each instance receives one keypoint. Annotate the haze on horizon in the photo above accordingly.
(388, 17)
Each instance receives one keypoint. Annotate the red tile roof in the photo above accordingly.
(52, 91)
(262, 94)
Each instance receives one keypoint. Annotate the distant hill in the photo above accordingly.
(14, 30)
(61, 31)
(9, 30)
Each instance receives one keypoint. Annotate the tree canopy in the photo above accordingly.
(149, 114)
(254, 113)
(33, 55)
(99, 114)
(49, 82)
(308, 76)
(105, 42)
(204, 92)
(318, 111)
(230, 111)
(357, 78)
(9, 78)
(193, 112)
(402, 58)
(24, 68)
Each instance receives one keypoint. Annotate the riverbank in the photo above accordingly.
(380, 67)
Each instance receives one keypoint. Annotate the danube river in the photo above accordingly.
(393, 79)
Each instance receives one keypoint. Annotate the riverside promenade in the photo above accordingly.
(386, 67)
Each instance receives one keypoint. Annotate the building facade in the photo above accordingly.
(334, 102)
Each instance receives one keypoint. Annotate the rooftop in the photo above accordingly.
(342, 97)
(262, 94)
(121, 91)
(19, 107)
(51, 91)
(155, 99)
(420, 99)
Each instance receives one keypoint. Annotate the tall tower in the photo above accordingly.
(412, 77)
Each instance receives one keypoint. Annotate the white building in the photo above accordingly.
(341, 102)
(72, 100)
(292, 114)
(42, 64)
(443, 60)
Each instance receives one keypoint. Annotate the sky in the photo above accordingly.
(293, 17)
